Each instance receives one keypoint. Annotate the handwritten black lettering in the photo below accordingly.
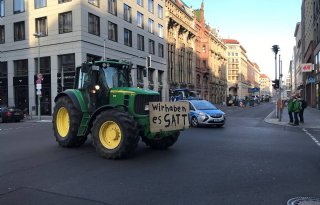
(173, 120)
(184, 118)
(154, 120)
(178, 118)
(167, 120)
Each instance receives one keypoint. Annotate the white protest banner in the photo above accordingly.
(168, 116)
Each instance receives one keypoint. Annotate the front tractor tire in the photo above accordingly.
(162, 143)
(66, 121)
(115, 134)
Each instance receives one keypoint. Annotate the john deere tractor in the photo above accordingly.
(103, 103)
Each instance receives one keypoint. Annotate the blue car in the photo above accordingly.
(202, 112)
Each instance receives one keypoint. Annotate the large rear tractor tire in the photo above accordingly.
(115, 134)
(162, 143)
(66, 121)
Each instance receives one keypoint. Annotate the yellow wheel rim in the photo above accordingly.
(62, 122)
(110, 135)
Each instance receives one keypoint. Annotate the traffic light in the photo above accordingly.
(275, 84)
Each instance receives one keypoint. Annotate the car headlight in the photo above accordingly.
(202, 114)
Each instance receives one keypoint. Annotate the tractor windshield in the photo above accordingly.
(116, 77)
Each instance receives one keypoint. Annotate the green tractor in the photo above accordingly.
(103, 103)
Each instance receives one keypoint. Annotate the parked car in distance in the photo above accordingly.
(203, 112)
(11, 114)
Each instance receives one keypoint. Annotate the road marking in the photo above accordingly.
(312, 137)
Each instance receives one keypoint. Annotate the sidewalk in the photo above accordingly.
(311, 118)
(43, 118)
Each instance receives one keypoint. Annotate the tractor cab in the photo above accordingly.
(97, 79)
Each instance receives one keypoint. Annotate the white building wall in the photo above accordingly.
(79, 41)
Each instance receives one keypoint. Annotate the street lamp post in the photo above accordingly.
(39, 76)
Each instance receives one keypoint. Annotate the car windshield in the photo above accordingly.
(203, 105)
(115, 77)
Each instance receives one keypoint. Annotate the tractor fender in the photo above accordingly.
(72, 96)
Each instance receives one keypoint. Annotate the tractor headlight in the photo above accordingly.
(146, 107)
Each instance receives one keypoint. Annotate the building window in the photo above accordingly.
(94, 24)
(91, 57)
(151, 46)
(40, 4)
(63, 1)
(20, 68)
(19, 31)
(65, 22)
(160, 30)
(67, 62)
(140, 2)
(3, 70)
(150, 6)
(171, 62)
(160, 12)
(140, 20)
(150, 25)
(18, 6)
(112, 7)
(160, 50)
(2, 8)
(45, 65)
(140, 73)
(127, 13)
(41, 26)
(112, 31)
(127, 37)
(140, 42)
(2, 35)
(94, 2)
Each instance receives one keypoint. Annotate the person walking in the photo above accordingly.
(290, 109)
(303, 106)
(296, 109)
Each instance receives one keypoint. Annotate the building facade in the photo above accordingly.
(308, 50)
(265, 85)
(316, 52)
(238, 84)
(65, 33)
(211, 73)
(296, 74)
(180, 45)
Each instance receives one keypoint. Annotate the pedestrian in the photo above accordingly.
(296, 109)
(303, 106)
(290, 109)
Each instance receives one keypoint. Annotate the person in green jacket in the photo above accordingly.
(290, 109)
(296, 107)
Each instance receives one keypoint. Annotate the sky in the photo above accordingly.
(257, 25)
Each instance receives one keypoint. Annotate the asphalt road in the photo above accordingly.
(246, 162)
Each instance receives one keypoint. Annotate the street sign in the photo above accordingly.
(307, 67)
(311, 79)
(39, 86)
(38, 92)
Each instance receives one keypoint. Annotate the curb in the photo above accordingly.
(275, 121)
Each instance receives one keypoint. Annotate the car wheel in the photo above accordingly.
(194, 122)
